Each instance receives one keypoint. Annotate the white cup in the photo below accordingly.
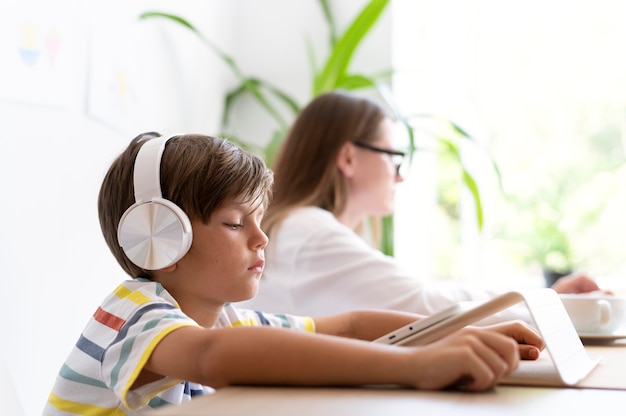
(593, 313)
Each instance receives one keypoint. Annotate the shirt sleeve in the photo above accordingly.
(128, 353)
(234, 316)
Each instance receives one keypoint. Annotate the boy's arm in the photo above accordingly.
(266, 356)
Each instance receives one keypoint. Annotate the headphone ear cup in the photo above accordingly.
(154, 234)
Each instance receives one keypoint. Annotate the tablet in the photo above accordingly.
(442, 323)
(406, 333)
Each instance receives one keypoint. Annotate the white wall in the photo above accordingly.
(58, 141)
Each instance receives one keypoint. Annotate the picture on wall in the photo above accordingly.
(127, 73)
(35, 52)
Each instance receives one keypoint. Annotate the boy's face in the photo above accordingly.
(226, 258)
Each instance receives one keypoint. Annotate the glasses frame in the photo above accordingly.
(385, 151)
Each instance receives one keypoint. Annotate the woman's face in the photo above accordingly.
(371, 184)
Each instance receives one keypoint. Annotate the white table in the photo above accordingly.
(365, 401)
(503, 401)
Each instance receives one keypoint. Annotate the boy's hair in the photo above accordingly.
(198, 173)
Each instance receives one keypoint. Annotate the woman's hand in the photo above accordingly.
(576, 283)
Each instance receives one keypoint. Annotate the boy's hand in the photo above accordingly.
(529, 341)
(475, 358)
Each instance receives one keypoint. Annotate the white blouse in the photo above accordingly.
(317, 266)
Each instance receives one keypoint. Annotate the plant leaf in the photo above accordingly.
(229, 101)
(470, 183)
(355, 82)
(341, 55)
(272, 147)
(387, 237)
(260, 90)
(330, 21)
(177, 19)
(249, 85)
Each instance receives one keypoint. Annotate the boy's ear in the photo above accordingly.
(346, 159)
(169, 269)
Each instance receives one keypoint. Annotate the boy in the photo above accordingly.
(182, 217)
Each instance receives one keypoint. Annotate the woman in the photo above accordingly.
(336, 167)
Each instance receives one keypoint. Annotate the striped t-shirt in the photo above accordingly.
(97, 376)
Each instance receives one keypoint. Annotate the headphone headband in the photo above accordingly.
(147, 173)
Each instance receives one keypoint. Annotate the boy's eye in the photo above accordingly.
(234, 226)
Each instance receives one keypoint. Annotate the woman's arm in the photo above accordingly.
(260, 355)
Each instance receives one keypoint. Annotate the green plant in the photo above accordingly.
(334, 74)
(551, 247)
(560, 211)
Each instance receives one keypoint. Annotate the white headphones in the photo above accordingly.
(154, 232)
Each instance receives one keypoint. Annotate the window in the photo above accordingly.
(542, 86)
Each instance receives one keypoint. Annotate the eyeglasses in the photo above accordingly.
(397, 156)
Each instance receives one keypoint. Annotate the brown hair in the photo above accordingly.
(198, 173)
(305, 168)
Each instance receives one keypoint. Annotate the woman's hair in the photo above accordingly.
(305, 167)
(198, 173)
